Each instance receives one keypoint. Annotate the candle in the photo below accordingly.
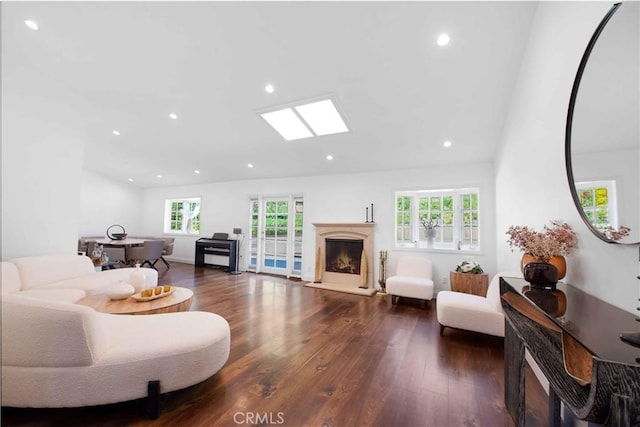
(371, 212)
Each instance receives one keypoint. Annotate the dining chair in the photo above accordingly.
(149, 253)
(116, 255)
(167, 250)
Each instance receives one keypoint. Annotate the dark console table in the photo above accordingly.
(574, 339)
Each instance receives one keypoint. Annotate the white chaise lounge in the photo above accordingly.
(472, 312)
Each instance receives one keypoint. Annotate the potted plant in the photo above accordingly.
(550, 245)
(469, 278)
(469, 267)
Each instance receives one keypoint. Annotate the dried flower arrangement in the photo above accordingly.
(471, 267)
(613, 234)
(556, 239)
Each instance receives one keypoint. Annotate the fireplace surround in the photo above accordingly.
(348, 273)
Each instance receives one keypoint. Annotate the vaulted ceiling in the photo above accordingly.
(126, 66)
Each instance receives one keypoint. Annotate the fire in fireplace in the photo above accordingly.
(343, 255)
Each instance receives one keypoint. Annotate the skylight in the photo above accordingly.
(306, 120)
(287, 124)
(322, 117)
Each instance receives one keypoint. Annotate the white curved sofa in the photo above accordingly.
(66, 278)
(59, 354)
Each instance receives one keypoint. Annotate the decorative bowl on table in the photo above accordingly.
(117, 236)
(120, 290)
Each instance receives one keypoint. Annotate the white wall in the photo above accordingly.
(531, 183)
(42, 152)
(104, 202)
(333, 198)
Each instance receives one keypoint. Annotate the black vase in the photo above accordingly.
(553, 302)
(541, 275)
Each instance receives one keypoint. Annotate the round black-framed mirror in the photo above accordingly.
(602, 140)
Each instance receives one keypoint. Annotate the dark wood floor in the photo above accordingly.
(309, 357)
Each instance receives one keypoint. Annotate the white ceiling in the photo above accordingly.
(126, 66)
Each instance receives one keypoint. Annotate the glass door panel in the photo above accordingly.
(297, 237)
(276, 235)
(276, 220)
(253, 234)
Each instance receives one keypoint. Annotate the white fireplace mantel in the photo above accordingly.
(344, 224)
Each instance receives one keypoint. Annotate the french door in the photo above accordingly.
(276, 235)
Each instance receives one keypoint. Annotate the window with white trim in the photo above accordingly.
(182, 216)
(452, 215)
(598, 201)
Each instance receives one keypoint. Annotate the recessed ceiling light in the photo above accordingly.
(31, 24)
(322, 117)
(329, 157)
(250, 165)
(130, 180)
(116, 133)
(287, 123)
(269, 88)
(196, 171)
(159, 176)
(447, 144)
(173, 116)
(443, 39)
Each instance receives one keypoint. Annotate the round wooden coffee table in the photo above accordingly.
(179, 300)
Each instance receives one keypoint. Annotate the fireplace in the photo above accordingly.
(343, 255)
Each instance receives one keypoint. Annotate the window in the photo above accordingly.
(598, 200)
(453, 216)
(182, 216)
(403, 219)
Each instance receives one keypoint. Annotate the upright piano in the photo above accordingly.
(218, 251)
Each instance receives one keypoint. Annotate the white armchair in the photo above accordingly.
(412, 279)
(472, 312)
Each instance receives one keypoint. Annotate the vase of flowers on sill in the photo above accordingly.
(430, 231)
(469, 278)
(551, 245)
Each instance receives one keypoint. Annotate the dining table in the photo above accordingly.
(120, 243)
